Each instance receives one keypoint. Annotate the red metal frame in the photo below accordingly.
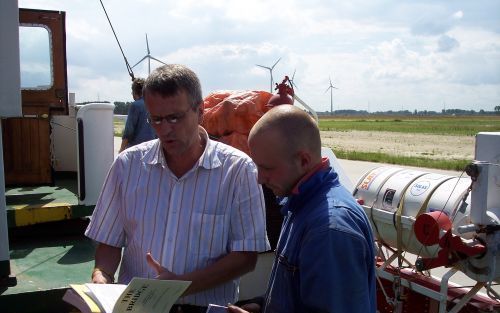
(414, 301)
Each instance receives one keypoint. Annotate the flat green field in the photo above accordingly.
(118, 125)
(444, 142)
(426, 139)
(440, 125)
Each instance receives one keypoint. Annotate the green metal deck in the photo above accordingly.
(44, 260)
(41, 204)
(48, 250)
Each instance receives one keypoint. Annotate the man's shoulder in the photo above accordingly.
(334, 201)
(138, 103)
(226, 151)
(137, 151)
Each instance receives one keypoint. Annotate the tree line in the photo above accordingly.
(415, 112)
(122, 109)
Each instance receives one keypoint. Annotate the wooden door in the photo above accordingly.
(27, 156)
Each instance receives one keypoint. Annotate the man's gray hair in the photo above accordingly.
(170, 79)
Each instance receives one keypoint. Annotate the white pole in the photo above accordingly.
(4, 235)
(10, 106)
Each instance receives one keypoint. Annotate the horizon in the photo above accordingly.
(347, 112)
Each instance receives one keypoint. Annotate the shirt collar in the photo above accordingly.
(208, 159)
(325, 163)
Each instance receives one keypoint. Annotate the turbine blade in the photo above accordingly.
(147, 43)
(327, 89)
(157, 60)
(268, 68)
(292, 81)
(272, 67)
(139, 61)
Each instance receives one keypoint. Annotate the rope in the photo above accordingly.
(441, 211)
(63, 126)
(129, 69)
(423, 208)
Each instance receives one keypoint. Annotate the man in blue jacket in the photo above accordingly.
(137, 129)
(325, 259)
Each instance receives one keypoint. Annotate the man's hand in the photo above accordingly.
(251, 307)
(100, 277)
(107, 259)
(235, 309)
(162, 273)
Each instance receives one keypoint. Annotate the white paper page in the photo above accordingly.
(214, 308)
(106, 295)
(150, 295)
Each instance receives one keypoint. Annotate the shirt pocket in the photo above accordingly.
(208, 235)
(285, 286)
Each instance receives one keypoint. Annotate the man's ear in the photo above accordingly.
(201, 109)
(305, 159)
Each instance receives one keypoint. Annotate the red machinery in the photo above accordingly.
(428, 221)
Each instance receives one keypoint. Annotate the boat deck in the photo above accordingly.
(41, 204)
(44, 260)
(48, 250)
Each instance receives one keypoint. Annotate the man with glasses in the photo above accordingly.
(137, 129)
(182, 207)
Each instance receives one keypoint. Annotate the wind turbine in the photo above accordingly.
(149, 57)
(292, 82)
(331, 87)
(299, 100)
(270, 71)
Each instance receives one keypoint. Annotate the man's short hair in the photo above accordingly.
(168, 80)
(297, 128)
(137, 86)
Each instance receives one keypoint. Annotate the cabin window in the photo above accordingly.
(35, 57)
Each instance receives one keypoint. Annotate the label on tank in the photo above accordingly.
(420, 188)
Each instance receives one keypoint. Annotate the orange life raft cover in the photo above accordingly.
(229, 115)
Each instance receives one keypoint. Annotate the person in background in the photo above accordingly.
(325, 259)
(137, 129)
(182, 207)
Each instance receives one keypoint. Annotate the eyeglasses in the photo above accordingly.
(171, 118)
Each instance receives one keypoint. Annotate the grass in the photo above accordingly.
(440, 125)
(118, 126)
(454, 164)
(435, 125)
(447, 125)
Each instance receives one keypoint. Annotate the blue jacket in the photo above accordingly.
(325, 259)
(137, 129)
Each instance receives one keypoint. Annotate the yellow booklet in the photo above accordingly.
(140, 295)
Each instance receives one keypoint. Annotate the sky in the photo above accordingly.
(379, 54)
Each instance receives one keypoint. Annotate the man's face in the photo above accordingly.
(181, 137)
(277, 169)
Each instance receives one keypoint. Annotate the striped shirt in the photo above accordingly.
(186, 223)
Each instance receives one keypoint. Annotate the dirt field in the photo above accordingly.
(421, 145)
(430, 146)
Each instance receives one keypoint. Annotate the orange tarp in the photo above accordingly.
(229, 115)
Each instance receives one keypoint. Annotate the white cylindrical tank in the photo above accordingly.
(95, 149)
(385, 190)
